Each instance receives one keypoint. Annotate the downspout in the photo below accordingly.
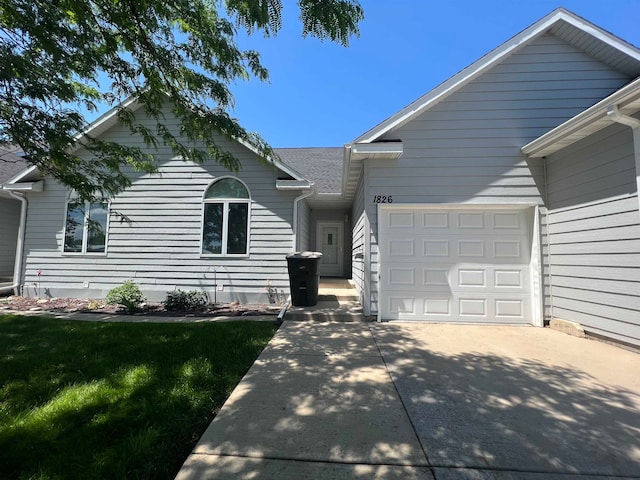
(295, 215)
(614, 114)
(17, 270)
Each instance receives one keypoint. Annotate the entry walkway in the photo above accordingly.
(319, 404)
(337, 301)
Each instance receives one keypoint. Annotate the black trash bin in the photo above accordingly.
(304, 277)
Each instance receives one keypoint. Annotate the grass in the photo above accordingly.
(114, 400)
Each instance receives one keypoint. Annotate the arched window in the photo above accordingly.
(225, 223)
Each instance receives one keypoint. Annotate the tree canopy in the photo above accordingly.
(55, 54)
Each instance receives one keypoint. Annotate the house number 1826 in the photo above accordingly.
(382, 199)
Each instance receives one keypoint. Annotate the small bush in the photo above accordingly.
(187, 301)
(127, 295)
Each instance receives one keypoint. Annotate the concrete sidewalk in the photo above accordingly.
(334, 400)
(318, 403)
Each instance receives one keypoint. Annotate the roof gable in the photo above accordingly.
(110, 119)
(571, 28)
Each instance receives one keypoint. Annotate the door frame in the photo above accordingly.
(339, 243)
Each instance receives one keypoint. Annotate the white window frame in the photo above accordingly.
(226, 202)
(85, 227)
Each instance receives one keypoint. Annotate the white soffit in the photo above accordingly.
(592, 120)
(37, 186)
(381, 150)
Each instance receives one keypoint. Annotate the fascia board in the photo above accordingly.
(20, 175)
(378, 149)
(489, 60)
(107, 120)
(283, 185)
(37, 186)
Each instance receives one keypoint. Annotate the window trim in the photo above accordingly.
(85, 228)
(225, 219)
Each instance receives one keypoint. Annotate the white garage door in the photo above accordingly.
(455, 265)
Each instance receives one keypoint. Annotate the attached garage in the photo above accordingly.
(458, 264)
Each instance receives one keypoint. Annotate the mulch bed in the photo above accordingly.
(88, 305)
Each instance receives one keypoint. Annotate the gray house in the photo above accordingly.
(508, 194)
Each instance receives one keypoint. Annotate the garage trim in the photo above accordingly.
(535, 265)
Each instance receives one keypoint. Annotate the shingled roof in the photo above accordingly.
(10, 163)
(320, 165)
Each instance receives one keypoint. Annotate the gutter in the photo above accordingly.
(614, 114)
(17, 269)
(299, 185)
(295, 214)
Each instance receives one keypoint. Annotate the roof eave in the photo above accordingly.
(22, 175)
(379, 150)
(284, 185)
(37, 186)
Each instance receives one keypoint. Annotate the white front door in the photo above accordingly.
(455, 264)
(329, 241)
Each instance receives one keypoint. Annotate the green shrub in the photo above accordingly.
(127, 295)
(188, 301)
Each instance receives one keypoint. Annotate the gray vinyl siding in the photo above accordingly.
(466, 149)
(594, 236)
(9, 223)
(154, 235)
(304, 227)
(358, 252)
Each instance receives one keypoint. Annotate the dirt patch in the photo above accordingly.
(89, 305)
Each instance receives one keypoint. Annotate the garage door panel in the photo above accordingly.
(455, 265)
(483, 250)
(465, 308)
(456, 278)
(453, 221)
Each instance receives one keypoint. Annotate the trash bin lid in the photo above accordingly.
(305, 255)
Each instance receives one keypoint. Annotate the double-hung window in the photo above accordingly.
(85, 228)
(225, 224)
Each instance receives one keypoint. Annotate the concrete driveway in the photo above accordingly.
(516, 402)
(422, 401)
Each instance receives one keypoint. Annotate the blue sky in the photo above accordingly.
(322, 94)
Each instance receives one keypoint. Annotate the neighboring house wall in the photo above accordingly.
(9, 222)
(595, 234)
(466, 149)
(158, 245)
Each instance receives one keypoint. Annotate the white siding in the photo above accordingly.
(595, 235)
(466, 149)
(9, 222)
(158, 245)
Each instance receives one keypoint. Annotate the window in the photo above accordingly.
(85, 229)
(225, 226)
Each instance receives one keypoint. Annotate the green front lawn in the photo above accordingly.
(114, 400)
